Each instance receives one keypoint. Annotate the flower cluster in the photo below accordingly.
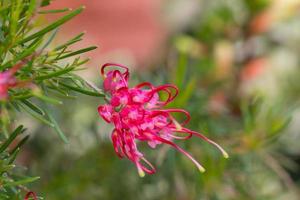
(138, 114)
(8, 80)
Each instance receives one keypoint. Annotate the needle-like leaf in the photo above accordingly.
(51, 27)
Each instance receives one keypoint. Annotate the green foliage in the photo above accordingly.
(9, 178)
(46, 77)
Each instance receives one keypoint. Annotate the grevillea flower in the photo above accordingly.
(30, 194)
(8, 80)
(138, 114)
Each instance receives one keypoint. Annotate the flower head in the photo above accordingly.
(8, 80)
(138, 114)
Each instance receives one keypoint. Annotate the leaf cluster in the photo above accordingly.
(46, 77)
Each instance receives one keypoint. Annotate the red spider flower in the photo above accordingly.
(8, 80)
(30, 194)
(138, 114)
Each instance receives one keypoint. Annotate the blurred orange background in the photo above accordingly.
(127, 31)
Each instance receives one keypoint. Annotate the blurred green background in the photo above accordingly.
(236, 63)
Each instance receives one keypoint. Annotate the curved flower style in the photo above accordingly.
(30, 194)
(7, 80)
(138, 114)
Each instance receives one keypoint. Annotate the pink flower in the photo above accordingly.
(8, 80)
(138, 114)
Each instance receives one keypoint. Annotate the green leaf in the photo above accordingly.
(70, 42)
(54, 11)
(47, 99)
(187, 92)
(37, 116)
(77, 52)
(54, 74)
(279, 125)
(83, 91)
(13, 156)
(57, 128)
(82, 62)
(21, 143)
(181, 70)
(33, 107)
(21, 96)
(52, 26)
(15, 15)
(248, 118)
(12, 136)
(45, 3)
(52, 36)
(30, 10)
(4, 196)
(6, 168)
(21, 182)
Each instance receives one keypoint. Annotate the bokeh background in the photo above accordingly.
(237, 65)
